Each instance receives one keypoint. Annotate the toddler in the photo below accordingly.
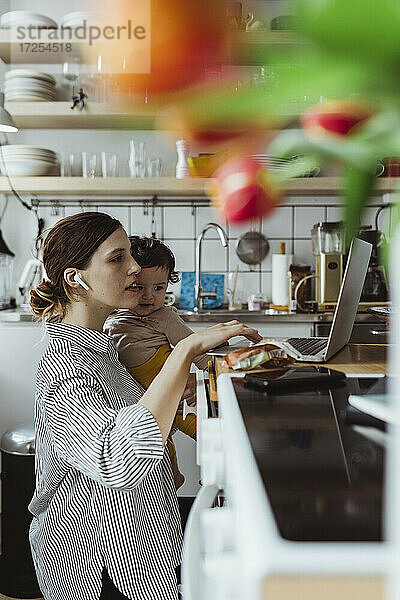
(144, 335)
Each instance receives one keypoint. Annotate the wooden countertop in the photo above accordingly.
(354, 358)
(359, 358)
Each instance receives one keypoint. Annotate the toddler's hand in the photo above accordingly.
(189, 393)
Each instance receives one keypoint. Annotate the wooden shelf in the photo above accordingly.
(109, 186)
(165, 186)
(58, 115)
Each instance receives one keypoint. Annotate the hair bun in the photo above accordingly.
(45, 300)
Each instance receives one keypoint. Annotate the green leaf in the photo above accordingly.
(395, 223)
(364, 30)
(345, 149)
(358, 185)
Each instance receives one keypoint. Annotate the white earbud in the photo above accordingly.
(80, 281)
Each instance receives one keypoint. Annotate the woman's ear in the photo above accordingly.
(70, 275)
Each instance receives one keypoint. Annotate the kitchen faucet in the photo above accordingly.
(199, 293)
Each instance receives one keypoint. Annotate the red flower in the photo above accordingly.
(334, 117)
(243, 190)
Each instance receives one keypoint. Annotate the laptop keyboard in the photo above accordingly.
(308, 346)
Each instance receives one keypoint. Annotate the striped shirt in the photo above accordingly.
(105, 495)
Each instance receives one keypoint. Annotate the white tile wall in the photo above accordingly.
(279, 224)
(122, 214)
(250, 283)
(206, 214)
(184, 254)
(179, 224)
(302, 253)
(214, 257)
(82, 207)
(51, 215)
(335, 213)
(236, 230)
(304, 219)
(141, 217)
(266, 285)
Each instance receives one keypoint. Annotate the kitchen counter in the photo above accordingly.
(303, 517)
(360, 358)
(20, 315)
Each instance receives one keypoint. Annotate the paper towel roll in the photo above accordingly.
(280, 287)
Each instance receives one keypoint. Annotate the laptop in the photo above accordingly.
(321, 349)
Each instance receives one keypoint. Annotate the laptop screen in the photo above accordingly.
(349, 296)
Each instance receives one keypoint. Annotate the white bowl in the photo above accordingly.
(16, 73)
(26, 168)
(26, 17)
(28, 98)
(28, 157)
(19, 81)
(12, 149)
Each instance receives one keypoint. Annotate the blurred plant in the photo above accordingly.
(351, 53)
(242, 190)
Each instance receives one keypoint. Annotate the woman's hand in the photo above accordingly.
(164, 393)
(200, 342)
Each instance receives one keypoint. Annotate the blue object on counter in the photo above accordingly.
(208, 282)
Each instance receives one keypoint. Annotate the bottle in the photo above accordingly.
(182, 167)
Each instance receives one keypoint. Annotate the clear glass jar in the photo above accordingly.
(6, 270)
(256, 301)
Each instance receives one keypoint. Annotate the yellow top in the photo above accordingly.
(146, 372)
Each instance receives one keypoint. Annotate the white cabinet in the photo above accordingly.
(21, 347)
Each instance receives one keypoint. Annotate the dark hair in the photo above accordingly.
(150, 252)
(70, 243)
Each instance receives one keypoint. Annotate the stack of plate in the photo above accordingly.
(26, 18)
(28, 85)
(287, 165)
(76, 19)
(26, 161)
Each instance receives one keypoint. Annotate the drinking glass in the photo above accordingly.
(109, 164)
(63, 161)
(154, 169)
(74, 165)
(94, 169)
(140, 161)
(71, 72)
(132, 159)
(234, 291)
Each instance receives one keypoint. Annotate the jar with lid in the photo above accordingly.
(256, 301)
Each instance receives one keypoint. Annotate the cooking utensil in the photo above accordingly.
(252, 247)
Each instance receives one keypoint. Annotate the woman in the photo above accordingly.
(106, 523)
